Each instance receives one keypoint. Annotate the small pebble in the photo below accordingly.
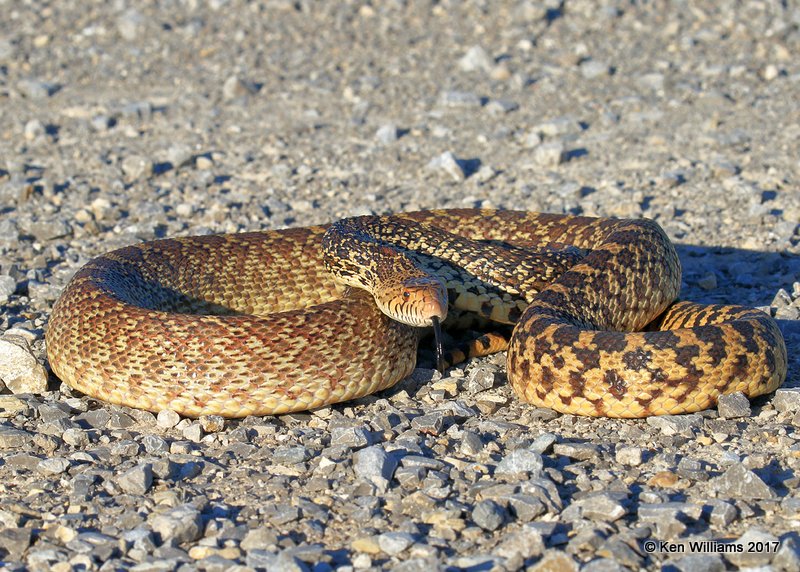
(488, 515)
(550, 154)
(167, 419)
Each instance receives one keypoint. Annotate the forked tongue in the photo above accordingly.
(437, 335)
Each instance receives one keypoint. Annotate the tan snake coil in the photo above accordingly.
(252, 324)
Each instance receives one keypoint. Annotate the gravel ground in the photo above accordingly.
(124, 121)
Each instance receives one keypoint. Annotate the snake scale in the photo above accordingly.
(254, 324)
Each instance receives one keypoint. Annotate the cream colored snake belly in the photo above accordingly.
(253, 323)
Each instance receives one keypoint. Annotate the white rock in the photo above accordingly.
(19, 369)
(476, 58)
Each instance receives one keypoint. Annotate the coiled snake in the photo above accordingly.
(253, 323)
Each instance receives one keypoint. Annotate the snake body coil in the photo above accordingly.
(252, 324)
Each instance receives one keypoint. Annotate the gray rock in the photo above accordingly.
(602, 565)
(130, 24)
(180, 155)
(740, 482)
(476, 59)
(523, 544)
(182, 524)
(653, 512)
(53, 466)
(448, 164)
(543, 443)
(36, 89)
(481, 378)
(471, 443)
(15, 541)
(393, 543)
(136, 167)
(722, 513)
(788, 555)
(155, 445)
(20, 371)
(577, 451)
(692, 469)
(549, 155)
(137, 480)
(236, 87)
(603, 507)
(263, 560)
(8, 285)
(752, 558)
(291, 454)
(167, 419)
(787, 399)
(374, 464)
(33, 129)
(282, 513)
(459, 99)
(262, 538)
(676, 424)
(592, 69)
(501, 106)
(193, 432)
(352, 437)
(698, 563)
(387, 134)
(525, 508)
(430, 424)
(631, 456)
(488, 515)
(733, 405)
(559, 126)
(520, 461)
(75, 437)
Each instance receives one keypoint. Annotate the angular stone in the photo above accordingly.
(20, 371)
(167, 419)
(549, 155)
(387, 134)
(393, 543)
(520, 461)
(350, 437)
(53, 466)
(554, 560)
(698, 563)
(787, 399)
(14, 438)
(734, 405)
(670, 425)
(481, 378)
(631, 456)
(488, 515)
(375, 465)
(577, 451)
(765, 547)
(430, 423)
(740, 482)
(137, 480)
(182, 523)
(602, 507)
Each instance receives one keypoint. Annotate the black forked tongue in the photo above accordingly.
(437, 335)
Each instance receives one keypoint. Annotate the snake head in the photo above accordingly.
(416, 301)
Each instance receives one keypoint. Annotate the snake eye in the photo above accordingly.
(406, 294)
